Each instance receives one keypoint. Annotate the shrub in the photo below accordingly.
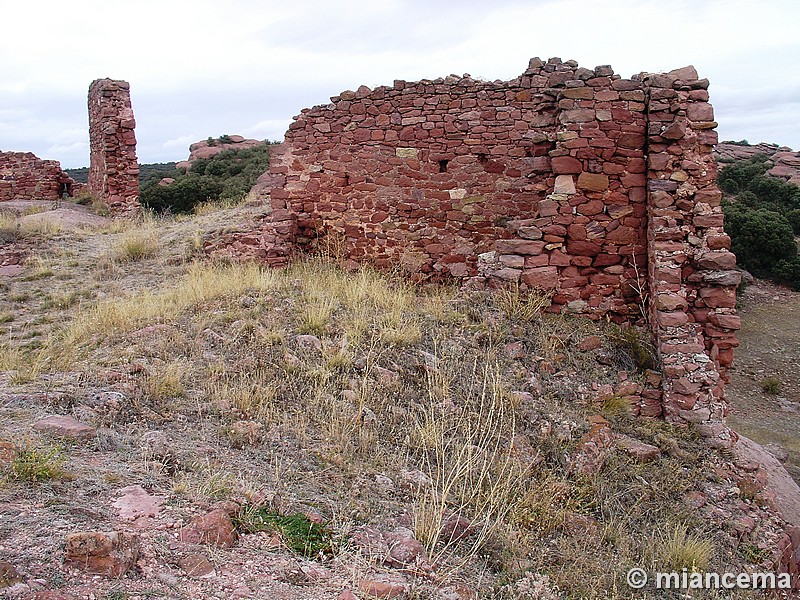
(771, 385)
(298, 532)
(228, 176)
(759, 238)
(793, 216)
(36, 464)
(788, 273)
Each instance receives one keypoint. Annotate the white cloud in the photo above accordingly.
(181, 142)
(247, 66)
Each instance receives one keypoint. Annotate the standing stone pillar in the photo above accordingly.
(692, 271)
(114, 170)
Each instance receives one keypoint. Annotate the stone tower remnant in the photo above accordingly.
(114, 170)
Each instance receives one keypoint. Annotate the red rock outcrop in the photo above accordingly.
(113, 170)
(785, 161)
(212, 147)
(23, 176)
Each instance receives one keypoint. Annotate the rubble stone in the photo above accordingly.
(110, 554)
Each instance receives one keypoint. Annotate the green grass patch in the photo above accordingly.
(36, 464)
(298, 532)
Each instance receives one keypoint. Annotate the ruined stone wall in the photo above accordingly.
(539, 180)
(113, 170)
(691, 269)
(23, 176)
(568, 179)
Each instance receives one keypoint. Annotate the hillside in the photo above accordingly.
(342, 431)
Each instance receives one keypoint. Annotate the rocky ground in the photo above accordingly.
(770, 348)
(175, 428)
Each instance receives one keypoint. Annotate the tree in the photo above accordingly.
(760, 238)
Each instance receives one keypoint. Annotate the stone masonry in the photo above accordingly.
(113, 170)
(23, 176)
(573, 180)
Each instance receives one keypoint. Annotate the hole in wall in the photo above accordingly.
(482, 158)
(346, 179)
(443, 166)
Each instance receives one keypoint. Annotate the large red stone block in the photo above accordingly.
(545, 278)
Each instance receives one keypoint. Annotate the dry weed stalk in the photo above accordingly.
(467, 455)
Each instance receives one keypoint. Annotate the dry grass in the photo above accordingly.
(521, 306)
(9, 227)
(136, 245)
(466, 453)
(678, 548)
(203, 283)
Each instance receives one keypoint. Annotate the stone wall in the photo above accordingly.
(113, 170)
(598, 188)
(691, 269)
(23, 176)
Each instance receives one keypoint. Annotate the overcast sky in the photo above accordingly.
(205, 68)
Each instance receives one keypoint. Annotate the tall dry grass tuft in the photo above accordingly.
(678, 548)
(521, 306)
(465, 450)
(136, 245)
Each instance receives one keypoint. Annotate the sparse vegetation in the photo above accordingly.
(34, 464)
(771, 385)
(402, 406)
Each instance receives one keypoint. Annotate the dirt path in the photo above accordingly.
(770, 338)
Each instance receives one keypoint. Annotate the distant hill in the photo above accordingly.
(79, 175)
(146, 172)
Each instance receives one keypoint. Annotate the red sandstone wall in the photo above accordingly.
(539, 180)
(574, 180)
(23, 176)
(692, 270)
(113, 170)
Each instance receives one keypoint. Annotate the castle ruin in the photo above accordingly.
(573, 180)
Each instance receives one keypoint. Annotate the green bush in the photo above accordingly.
(788, 273)
(771, 385)
(793, 216)
(227, 176)
(759, 238)
(748, 180)
(298, 532)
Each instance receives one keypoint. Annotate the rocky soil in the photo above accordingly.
(175, 428)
